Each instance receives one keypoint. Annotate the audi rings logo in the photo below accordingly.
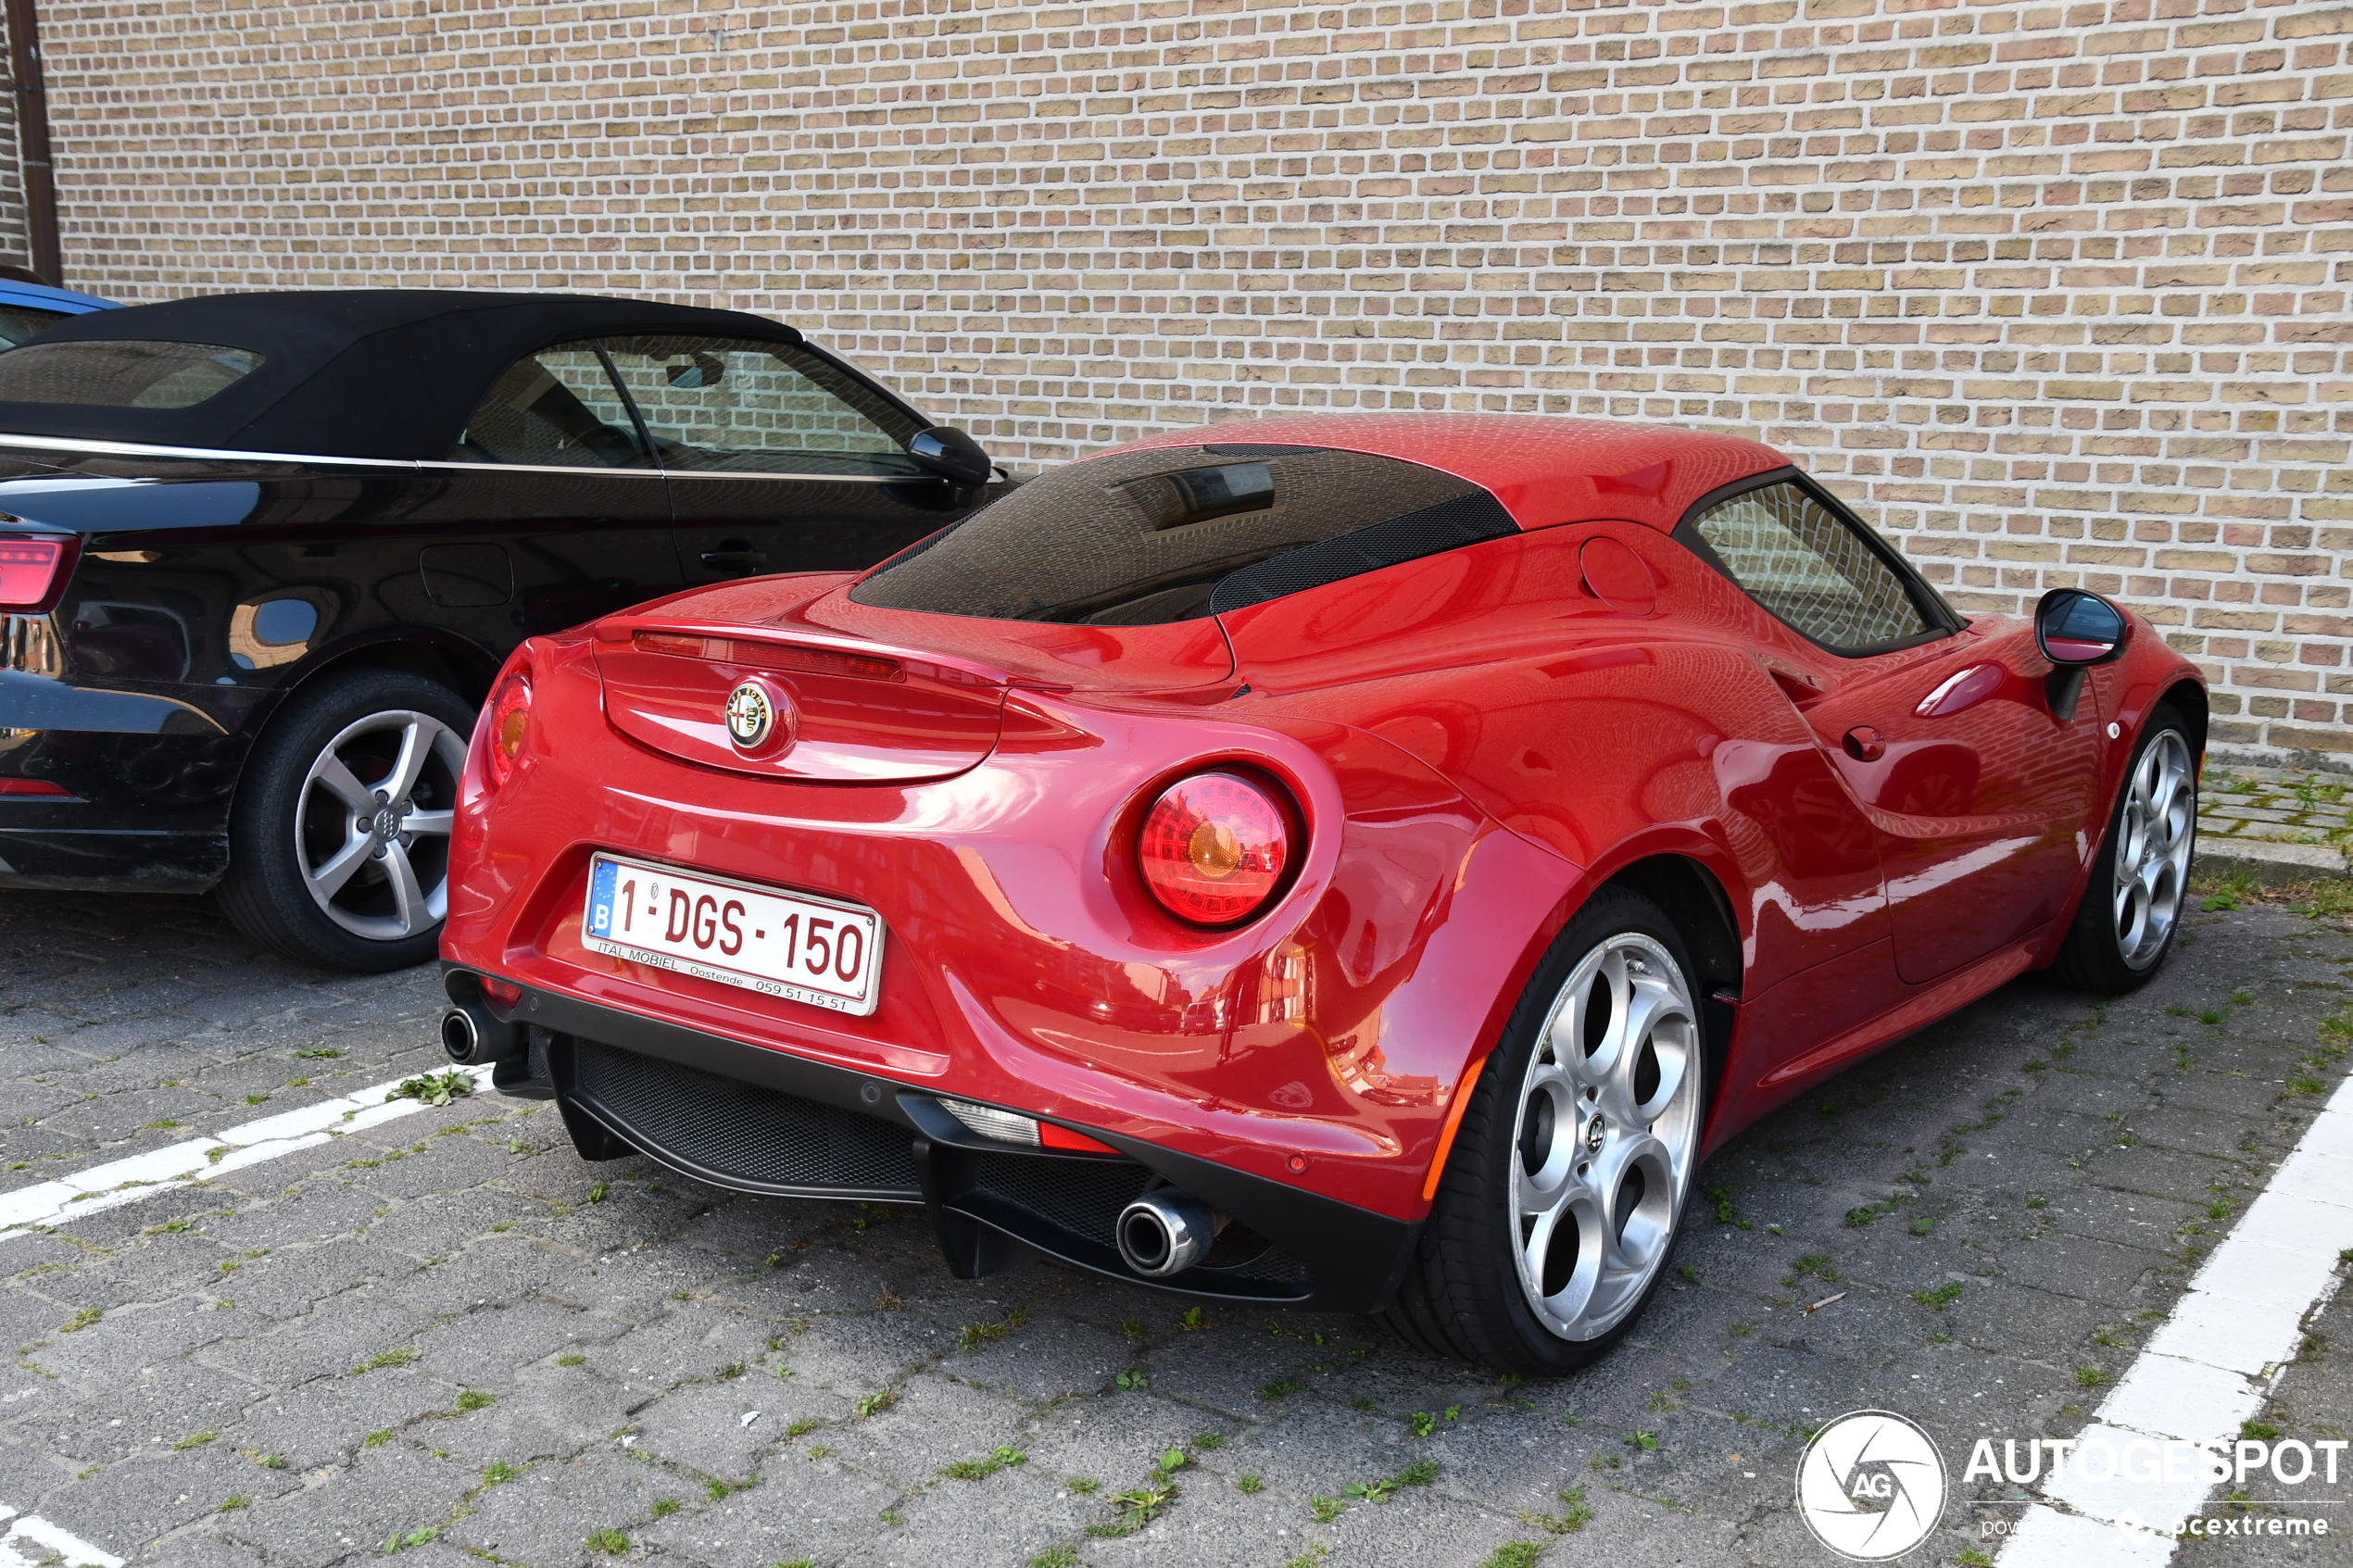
(1870, 1486)
(759, 718)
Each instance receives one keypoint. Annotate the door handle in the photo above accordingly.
(720, 560)
(1864, 744)
(1796, 684)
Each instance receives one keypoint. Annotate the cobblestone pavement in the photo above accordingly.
(2293, 819)
(448, 1333)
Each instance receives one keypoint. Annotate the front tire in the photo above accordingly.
(339, 843)
(1565, 1190)
(2139, 887)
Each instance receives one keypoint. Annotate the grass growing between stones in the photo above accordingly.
(981, 1469)
(1576, 1513)
(1421, 1472)
(975, 1335)
(1140, 1506)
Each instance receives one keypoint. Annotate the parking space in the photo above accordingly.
(443, 1334)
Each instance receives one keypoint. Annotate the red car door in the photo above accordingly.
(1982, 794)
(1978, 794)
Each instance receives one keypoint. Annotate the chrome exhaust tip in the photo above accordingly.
(1164, 1233)
(471, 1037)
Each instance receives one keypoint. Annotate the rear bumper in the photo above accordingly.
(140, 812)
(107, 860)
(755, 1118)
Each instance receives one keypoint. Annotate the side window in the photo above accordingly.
(557, 408)
(727, 404)
(1794, 557)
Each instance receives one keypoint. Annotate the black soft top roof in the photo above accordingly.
(353, 373)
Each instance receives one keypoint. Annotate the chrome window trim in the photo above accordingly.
(423, 466)
(802, 473)
(145, 449)
(675, 473)
(415, 465)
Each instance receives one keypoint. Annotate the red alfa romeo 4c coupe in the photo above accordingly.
(1365, 862)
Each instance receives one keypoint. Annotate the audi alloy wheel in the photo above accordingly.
(339, 844)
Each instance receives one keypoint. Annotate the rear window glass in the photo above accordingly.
(1175, 534)
(122, 373)
(18, 322)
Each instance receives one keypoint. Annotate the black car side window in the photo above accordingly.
(555, 409)
(1806, 565)
(731, 405)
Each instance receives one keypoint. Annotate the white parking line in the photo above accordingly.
(50, 1538)
(2211, 1364)
(182, 1164)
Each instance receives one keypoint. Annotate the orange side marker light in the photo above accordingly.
(1453, 1121)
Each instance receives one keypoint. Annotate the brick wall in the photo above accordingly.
(2055, 292)
(14, 248)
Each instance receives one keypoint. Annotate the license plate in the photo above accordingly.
(820, 951)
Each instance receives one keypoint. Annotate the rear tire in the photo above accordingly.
(1565, 1190)
(339, 841)
(2139, 887)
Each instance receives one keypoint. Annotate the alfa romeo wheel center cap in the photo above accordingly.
(1596, 1130)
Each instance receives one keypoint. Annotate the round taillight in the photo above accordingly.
(1214, 847)
(509, 720)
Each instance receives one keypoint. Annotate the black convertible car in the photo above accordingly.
(261, 555)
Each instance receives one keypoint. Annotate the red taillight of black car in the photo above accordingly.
(1215, 848)
(34, 573)
(507, 725)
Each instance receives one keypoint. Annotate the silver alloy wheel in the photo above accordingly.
(1608, 1131)
(371, 823)
(2154, 835)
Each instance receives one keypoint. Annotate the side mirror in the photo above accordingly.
(952, 454)
(2077, 628)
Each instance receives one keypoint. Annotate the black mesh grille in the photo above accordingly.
(743, 1134)
(1465, 519)
(1085, 1196)
(1245, 1254)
